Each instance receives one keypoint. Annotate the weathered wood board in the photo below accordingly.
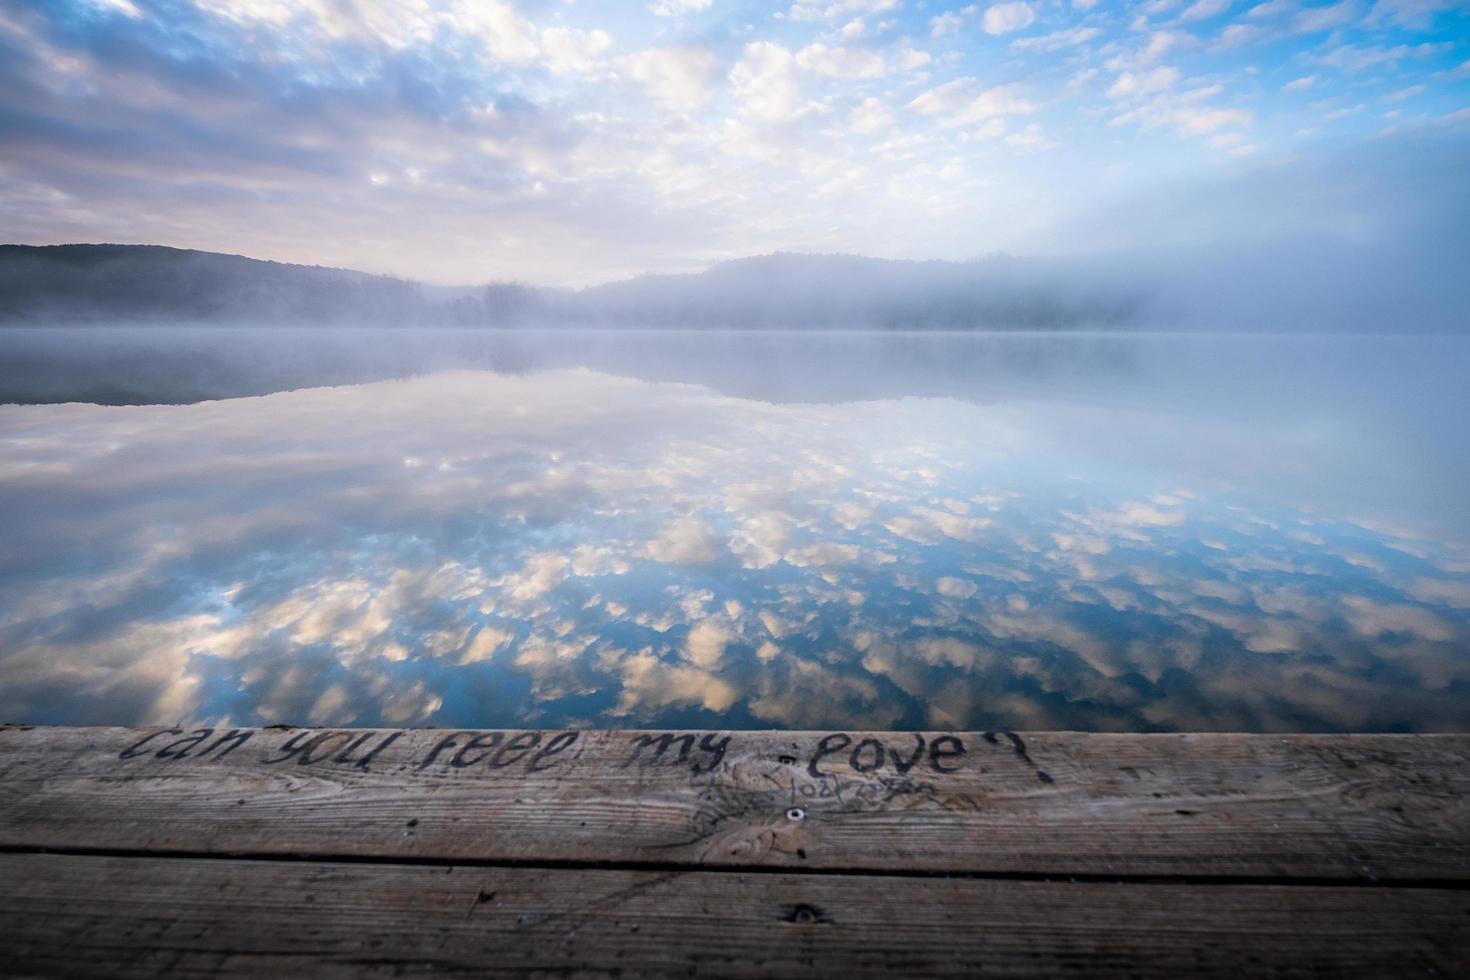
(1373, 807)
(294, 852)
(147, 917)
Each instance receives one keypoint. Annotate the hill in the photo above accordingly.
(149, 283)
(152, 283)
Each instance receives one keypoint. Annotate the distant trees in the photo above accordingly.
(144, 283)
(837, 291)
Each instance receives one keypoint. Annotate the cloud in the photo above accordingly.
(538, 576)
(1155, 103)
(1271, 9)
(1153, 8)
(331, 708)
(834, 9)
(681, 78)
(648, 683)
(1234, 143)
(955, 588)
(687, 541)
(487, 642)
(823, 554)
(1204, 10)
(1145, 515)
(1300, 84)
(125, 7)
(705, 646)
(674, 8)
(1312, 20)
(1235, 35)
(911, 59)
(765, 82)
(1403, 94)
(1159, 44)
(945, 24)
(1344, 112)
(1353, 58)
(964, 102)
(566, 49)
(1193, 122)
(1057, 40)
(1414, 15)
(841, 62)
(1129, 84)
(1005, 18)
(508, 37)
(870, 117)
(928, 526)
(802, 694)
(591, 560)
(1374, 619)
(1450, 592)
(761, 539)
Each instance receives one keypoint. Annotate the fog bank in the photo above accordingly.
(1369, 238)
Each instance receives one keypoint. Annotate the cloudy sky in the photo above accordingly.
(565, 142)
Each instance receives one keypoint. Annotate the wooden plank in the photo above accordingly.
(1387, 807)
(145, 917)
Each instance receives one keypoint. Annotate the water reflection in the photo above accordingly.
(576, 548)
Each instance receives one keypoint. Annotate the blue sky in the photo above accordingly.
(568, 143)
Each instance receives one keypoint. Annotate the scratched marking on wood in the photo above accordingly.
(737, 852)
(1366, 807)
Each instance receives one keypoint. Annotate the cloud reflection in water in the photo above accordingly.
(571, 547)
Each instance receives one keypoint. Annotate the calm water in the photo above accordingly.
(769, 530)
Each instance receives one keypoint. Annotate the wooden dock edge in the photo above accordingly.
(196, 851)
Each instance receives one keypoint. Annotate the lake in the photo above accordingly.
(735, 530)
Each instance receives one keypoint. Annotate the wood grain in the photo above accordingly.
(144, 917)
(1328, 807)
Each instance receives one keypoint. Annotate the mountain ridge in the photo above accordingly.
(105, 282)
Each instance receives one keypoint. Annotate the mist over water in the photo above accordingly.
(735, 529)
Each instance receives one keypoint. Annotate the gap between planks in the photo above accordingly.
(674, 867)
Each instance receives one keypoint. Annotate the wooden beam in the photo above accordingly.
(147, 917)
(1253, 807)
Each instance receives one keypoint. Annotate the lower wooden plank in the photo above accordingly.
(1384, 807)
(144, 917)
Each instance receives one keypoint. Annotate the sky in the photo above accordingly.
(569, 143)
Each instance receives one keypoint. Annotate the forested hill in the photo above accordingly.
(152, 283)
(145, 283)
(828, 291)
